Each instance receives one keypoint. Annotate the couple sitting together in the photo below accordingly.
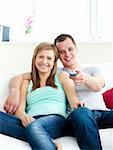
(36, 106)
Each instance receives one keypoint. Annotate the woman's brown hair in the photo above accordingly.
(34, 72)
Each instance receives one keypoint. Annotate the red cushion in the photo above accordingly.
(108, 98)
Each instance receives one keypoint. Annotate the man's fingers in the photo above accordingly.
(11, 104)
(14, 109)
(78, 71)
(6, 107)
(10, 109)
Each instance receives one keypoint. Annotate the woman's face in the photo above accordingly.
(45, 61)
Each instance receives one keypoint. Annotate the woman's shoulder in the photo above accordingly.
(30, 86)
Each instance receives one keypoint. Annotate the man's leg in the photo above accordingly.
(40, 132)
(11, 126)
(104, 118)
(84, 126)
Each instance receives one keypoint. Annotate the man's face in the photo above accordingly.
(67, 53)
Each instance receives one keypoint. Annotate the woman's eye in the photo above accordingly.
(40, 56)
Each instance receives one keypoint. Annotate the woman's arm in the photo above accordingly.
(22, 105)
(70, 90)
(20, 112)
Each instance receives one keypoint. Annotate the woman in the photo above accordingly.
(41, 114)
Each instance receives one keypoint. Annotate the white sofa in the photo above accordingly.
(68, 143)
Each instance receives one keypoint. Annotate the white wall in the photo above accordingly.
(88, 20)
(16, 57)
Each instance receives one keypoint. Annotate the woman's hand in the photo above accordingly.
(26, 120)
(79, 104)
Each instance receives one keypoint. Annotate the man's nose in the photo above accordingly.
(67, 54)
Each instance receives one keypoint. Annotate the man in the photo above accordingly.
(83, 122)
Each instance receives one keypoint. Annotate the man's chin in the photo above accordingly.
(69, 64)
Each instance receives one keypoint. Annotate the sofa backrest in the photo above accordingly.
(5, 77)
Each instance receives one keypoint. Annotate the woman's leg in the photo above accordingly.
(58, 146)
(11, 126)
(41, 132)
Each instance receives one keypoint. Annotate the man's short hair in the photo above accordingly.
(63, 37)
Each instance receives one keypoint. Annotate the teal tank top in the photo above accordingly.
(46, 100)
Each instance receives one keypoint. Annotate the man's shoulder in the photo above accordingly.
(59, 70)
(93, 68)
(26, 76)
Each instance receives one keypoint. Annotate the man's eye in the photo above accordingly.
(61, 52)
(70, 49)
(49, 58)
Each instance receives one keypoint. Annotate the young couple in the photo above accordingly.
(40, 105)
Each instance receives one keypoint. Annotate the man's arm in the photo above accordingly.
(12, 101)
(94, 83)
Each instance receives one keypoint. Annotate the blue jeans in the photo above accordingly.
(84, 125)
(38, 133)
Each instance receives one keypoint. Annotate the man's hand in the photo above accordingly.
(80, 78)
(12, 102)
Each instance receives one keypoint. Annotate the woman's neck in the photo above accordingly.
(43, 79)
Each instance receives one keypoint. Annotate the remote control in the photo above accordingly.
(72, 74)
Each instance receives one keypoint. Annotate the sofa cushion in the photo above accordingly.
(68, 143)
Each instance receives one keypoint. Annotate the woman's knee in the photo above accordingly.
(38, 137)
(35, 130)
(33, 127)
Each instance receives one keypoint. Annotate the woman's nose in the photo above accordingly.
(44, 60)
